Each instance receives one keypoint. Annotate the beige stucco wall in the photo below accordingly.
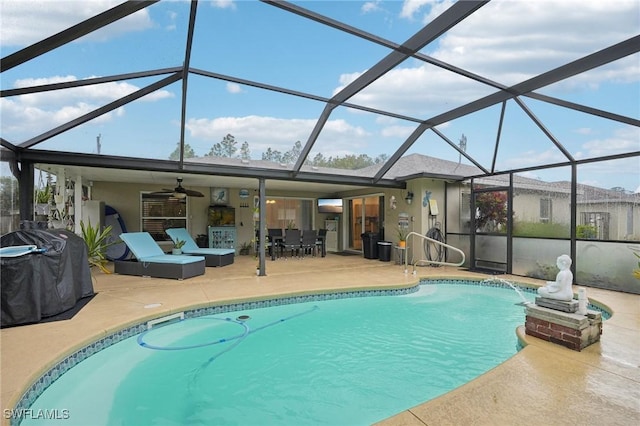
(125, 198)
(419, 222)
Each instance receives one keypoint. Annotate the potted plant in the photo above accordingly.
(42, 200)
(97, 242)
(402, 236)
(244, 248)
(177, 246)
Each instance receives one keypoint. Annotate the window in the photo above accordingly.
(594, 225)
(285, 213)
(160, 212)
(545, 210)
(465, 212)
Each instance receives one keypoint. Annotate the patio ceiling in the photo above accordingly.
(192, 81)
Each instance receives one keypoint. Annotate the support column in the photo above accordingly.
(23, 172)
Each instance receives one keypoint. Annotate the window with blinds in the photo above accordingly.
(160, 212)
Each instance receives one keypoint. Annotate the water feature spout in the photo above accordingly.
(516, 289)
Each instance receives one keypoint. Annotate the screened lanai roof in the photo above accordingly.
(336, 92)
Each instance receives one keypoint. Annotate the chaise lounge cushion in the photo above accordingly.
(213, 256)
(153, 262)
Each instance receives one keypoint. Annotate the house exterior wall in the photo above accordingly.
(125, 198)
(623, 218)
(526, 206)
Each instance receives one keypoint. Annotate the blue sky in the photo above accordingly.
(506, 41)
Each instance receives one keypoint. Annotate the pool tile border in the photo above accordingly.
(40, 385)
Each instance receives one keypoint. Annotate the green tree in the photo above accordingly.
(319, 160)
(225, 148)
(382, 158)
(352, 162)
(293, 154)
(245, 152)
(272, 155)
(8, 195)
(491, 211)
(188, 152)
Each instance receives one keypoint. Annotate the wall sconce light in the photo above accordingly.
(409, 197)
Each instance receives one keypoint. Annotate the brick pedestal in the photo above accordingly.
(571, 330)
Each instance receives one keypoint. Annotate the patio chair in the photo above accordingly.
(308, 242)
(291, 241)
(275, 237)
(212, 256)
(321, 242)
(153, 262)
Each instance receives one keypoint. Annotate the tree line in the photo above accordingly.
(228, 147)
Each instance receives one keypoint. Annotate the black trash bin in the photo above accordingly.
(384, 251)
(370, 245)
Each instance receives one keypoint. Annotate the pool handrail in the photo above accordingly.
(425, 238)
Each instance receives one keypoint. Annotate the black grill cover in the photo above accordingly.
(39, 285)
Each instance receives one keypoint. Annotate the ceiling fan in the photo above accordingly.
(179, 191)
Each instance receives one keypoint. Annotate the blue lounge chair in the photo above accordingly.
(213, 256)
(153, 262)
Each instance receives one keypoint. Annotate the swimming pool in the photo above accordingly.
(343, 361)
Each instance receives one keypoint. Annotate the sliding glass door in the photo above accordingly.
(364, 215)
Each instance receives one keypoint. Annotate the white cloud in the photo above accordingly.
(224, 4)
(371, 6)
(25, 22)
(234, 88)
(602, 174)
(397, 131)
(279, 134)
(25, 114)
(584, 131)
(608, 174)
(623, 140)
(22, 122)
(411, 7)
(105, 92)
(417, 91)
(508, 42)
(531, 158)
(533, 37)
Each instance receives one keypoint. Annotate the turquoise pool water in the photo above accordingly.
(338, 362)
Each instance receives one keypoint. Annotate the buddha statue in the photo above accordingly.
(560, 289)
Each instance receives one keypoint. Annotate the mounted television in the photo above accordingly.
(329, 205)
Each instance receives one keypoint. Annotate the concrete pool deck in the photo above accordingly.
(543, 384)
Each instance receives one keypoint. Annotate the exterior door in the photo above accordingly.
(491, 229)
(365, 215)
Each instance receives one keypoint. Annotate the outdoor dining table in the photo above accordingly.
(276, 239)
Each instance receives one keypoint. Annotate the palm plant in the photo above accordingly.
(97, 243)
